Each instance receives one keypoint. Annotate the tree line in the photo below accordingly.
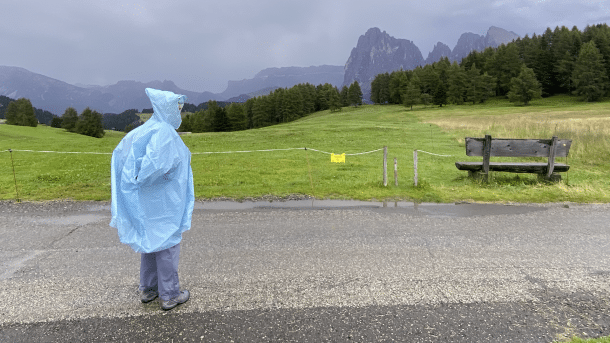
(42, 116)
(21, 112)
(88, 123)
(560, 61)
(280, 106)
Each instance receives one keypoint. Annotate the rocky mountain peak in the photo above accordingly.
(378, 52)
(497, 36)
(440, 50)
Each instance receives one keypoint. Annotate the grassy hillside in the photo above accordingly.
(241, 175)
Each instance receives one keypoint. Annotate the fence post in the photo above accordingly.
(14, 177)
(395, 172)
(385, 166)
(415, 167)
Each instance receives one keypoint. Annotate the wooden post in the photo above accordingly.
(486, 156)
(395, 172)
(415, 167)
(14, 177)
(551, 164)
(385, 166)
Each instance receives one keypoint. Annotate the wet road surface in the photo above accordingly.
(314, 271)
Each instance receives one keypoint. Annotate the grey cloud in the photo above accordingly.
(201, 45)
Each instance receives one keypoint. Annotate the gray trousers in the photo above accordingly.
(159, 272)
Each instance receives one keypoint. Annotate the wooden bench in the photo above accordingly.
(501, 147)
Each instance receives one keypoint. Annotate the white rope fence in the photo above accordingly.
(360, 153)
(241, 151)
(61, 152)
(194, 153)
(429, 153)
(415, 152)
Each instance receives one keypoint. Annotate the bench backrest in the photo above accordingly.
(503, 147)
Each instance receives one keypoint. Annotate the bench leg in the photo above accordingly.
(555, 177)
(478, 175)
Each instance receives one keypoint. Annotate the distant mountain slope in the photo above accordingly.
(285, 78)
(55, 96)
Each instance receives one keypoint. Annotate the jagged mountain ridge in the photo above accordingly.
(440, 50)
(471, 41)
(377, 52)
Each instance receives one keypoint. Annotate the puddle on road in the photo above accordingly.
(428, 209)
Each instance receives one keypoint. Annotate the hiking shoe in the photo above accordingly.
(149, 296)
(180, 299)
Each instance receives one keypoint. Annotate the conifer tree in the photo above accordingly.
(397, 86)
(456, 91)
(56, 122)
(429, 79)
(220, 121)
(504, 65)
(375, 90)
(69, 119)
(321, 98)
(440, 94)
(354, 94)
(237, 117)
(20, 112)
(589, 74)
(525, 87)
(487, 87)
(412, 94)
(425, 99)
(90, 124)
(344, 96)
(12, 113)
(198, 123)
(335, 101)
(473, 86)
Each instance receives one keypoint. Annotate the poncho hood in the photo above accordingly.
(165, 106)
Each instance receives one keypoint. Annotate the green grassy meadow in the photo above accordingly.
(243, 175)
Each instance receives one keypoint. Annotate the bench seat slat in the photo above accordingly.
(517, 147)
(513, 167)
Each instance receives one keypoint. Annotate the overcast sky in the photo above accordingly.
(201, 44)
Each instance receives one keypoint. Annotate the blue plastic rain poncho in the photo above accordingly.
(152, 180)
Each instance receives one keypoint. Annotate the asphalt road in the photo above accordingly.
(314, 272)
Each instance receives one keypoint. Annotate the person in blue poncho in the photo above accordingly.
(153, 197)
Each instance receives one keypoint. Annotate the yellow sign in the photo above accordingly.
(337, 158)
